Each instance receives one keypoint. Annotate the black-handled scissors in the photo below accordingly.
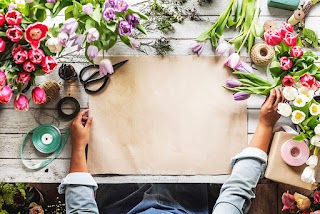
(95, 77)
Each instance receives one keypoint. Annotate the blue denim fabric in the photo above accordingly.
(234, 198)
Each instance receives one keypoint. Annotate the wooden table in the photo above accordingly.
(14, 125)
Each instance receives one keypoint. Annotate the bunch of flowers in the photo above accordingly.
(22, 58)
(298, 203)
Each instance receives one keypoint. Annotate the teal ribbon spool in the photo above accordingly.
(47, 139)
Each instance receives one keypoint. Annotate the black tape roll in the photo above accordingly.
(72, 100)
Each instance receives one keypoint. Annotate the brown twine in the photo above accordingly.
(262, 54)
(51, 88)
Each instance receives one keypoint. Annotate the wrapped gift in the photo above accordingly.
(277, 170)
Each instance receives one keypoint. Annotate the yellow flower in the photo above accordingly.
(303, 202)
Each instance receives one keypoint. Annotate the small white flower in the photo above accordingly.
(312, 161)
(315, 140)
(290, 93)
(308, 175)
(317, 129)
(307, 92)
(54, 45)
(300, 101)
(298, 116)
(284, 109)
(314, 109)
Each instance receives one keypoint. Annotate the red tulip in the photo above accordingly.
(48, 64)
(36, 56)
(14, 33)
(13, 17)
(288, 81)
(5, 94)
(286, 28)
(16, 48)
(296, 52)
(273, 37)
(2, 45)
(23, 77)
(290, 39)
(29, 66)
(287, 200)
(35, 33)
(285, 63)
(2, 20)
(20, 57)
(316, 197)
(308, 80)
(21, 103)
(3, 79)
(38, 95)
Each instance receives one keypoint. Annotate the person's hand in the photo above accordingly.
(268, 113)
(80, 131)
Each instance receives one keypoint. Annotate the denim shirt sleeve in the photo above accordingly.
(79, 190)
(236, 193)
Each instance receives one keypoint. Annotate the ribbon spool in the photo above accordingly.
(295, 153)
(68, 73)
(262, 54)
(297, 16)
(75, 104)
(51, 89)
(46, 139)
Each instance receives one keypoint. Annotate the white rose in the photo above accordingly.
(289, 93)
(308, 175)
(314, 109)
(54, 45)
(312, 161)
(284, 109)
(298, 116)
(307, 92)
(315, 140)
(317, 129)
(300, 100)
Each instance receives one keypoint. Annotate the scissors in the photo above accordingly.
(95, 77)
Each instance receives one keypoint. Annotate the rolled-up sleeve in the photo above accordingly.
(236, 193)
(79, 193)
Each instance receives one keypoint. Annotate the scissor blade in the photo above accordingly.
(119, 64)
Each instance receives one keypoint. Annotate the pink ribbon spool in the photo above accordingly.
(295, 153)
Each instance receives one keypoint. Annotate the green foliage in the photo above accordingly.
(310, 37)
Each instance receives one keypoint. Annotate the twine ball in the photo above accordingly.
(262, 54)
(270, 25)
(51, 88)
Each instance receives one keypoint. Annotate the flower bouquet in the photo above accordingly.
(298, 203)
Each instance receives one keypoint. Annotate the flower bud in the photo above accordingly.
(233, 61)
(222, 48)
(70, 26)
(312, 161)
(197, 47)
(286, 28)
(13, 17)
(106, 67)
(5, 94)
(93, 35)
(296, 52)
(38, 95)
(285, 63)
(23, 77)
(92, 51)
(54, 45)
(21, 103)
(87, 8)
(233, 83)
(238, 96)
(290, 39)
(288, 81)
(29, 66)
(135, 44)
(272, 37)
(308, 177)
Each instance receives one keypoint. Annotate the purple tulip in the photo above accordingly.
(197, 47)
(222, 48)
(93, 35)
(92, 51)
(109, 14)
(87, 8)
(133, 19)
(78, 40)
(233, 83)
(63, 38)
(120, 5)
(70, 26)
(238, 96)
(124, 28)
(233, 61)
(51, 1)
(244, 67)
(106, 67)
(12, 6)
(135, 44)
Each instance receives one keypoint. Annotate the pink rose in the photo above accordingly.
(290, 39)
(38, 95)
(296, 52)
(285, 63)
(23, 77)
(14, 33)
(2, 45)
(288, 81)
(29, 66)
(5, 94)
(48, 64)
(273, 37)
(308, 80)
(16, 48)
(13, 17)
(286, 28)
(21, 103)
(36, 56)
(3, 79)
(20, 57)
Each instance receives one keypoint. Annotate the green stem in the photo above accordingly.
(316, 151)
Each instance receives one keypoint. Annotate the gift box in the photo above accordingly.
(277, 170)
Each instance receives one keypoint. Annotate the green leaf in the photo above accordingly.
(90, 23)
(39, 6)
(59, 6)
(243, 12)
(97, 15)
(300, 137)
(310, 36)
(141, 29)
(126, 40)
(258, 30)
(68, 12)
(49, 5)
(77, 8)
(41, 15)
(39, 73)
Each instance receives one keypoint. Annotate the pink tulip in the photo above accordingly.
(13, 17)
(2, 45)
(296, 52)
(14, 33)
(223, 48)
(316, 197)
(3, 79)
(287, 200)
(23, 77)
(38, 95)
(290, 39)
(16, 48)
(48, 64)
(286, 28)
(288, 81)
(285, 63)
(20, 57)
(308, 80)
(2, 20)
(273, 37)
(36, 56)
(106, 67)
(29, 66)
(21, 103)
(5, 94)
